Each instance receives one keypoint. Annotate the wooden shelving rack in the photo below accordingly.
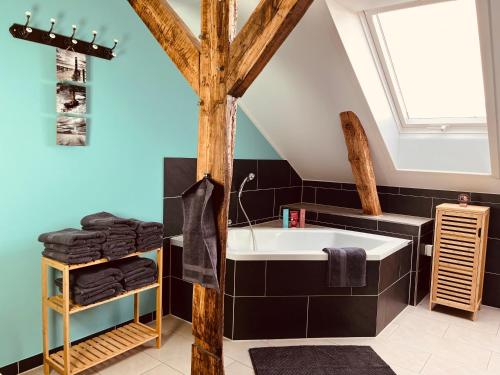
(75, 359)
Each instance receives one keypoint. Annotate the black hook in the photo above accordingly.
(94, 46)
(113, 48)
(28, 16)
(52, 23)
(72, 37)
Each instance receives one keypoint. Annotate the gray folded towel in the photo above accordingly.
(134, 264)
(72, 249)
(145, 227)
(105, 219)
(142, 274)
(84, 299)
(199, 256)
(140, 283)
(72, 237)
(72, 258)
(94, 276)
(346, 267)
(117, 244)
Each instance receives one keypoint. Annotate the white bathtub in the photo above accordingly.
(303, 244)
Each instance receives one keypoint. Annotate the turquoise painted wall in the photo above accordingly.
(140, 110)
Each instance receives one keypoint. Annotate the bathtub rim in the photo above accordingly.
(377, 254)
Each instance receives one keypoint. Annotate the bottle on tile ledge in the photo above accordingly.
(302, 218)
(285, 217)
(294, 219)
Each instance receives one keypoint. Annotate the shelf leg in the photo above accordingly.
(159, 302)
(137, 310)
(66, 333)
(45, 319)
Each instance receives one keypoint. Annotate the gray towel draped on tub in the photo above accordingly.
(346, 267)
(200, 235)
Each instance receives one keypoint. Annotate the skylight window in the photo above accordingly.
(431, 61)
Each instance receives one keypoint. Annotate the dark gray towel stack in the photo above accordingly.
(137, 272)
(94, 284)
(149, 235)
(73, 246)
(120, 233)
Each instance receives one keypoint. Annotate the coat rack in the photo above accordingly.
(61, 41)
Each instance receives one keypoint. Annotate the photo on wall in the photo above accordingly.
(71, 131)
(71, 98)
(71, 66)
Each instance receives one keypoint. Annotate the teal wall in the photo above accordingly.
(140, 110)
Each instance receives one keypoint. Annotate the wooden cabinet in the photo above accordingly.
(460, 238)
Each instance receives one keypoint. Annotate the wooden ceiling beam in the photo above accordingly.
(259, 39)
(174, 36)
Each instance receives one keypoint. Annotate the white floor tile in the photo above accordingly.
(494, 365)
(238, 350)
(402, 356)
(476, 337)
(174, 352)
(131, 363)
(162, 370)
(443, 366)
(237, 368)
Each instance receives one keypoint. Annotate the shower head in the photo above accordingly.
(250, 177)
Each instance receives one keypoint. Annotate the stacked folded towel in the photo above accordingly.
(149, 235)
(120, 233)
(73, 246)
(94, 284)
(137, 272)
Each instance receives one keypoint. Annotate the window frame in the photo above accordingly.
(380, 51)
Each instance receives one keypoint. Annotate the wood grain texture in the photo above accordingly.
(259, 39)
(215, 157)
(361, 162)
(174, 36)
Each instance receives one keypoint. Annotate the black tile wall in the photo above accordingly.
(392, 301)
(228, 316)
(342, 198)
(11, 369)
(286, 196)
(273, 174)
(342, 316)
(269, 317)
(180, 173)
(241, 169)
(250, 278)
(259, 204)
(181, 297)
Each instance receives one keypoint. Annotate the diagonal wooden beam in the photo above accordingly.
(266, 29)
(173, 35)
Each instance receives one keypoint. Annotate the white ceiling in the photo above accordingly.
(296, 100)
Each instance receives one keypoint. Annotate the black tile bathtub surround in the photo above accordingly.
(275, 184)
(289, 299)
(423, 202)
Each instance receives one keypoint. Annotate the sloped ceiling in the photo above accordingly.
(296, 101)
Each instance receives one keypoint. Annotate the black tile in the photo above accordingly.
(260, 221)
(229, 277)
(286, 196)
(330, 225)
(176, 261)
(388, 226)
(9, 369)
(342, 316)
(166, 257)
(323, 184)
(233, 208)
(347, 221)
(389, 270)
(413, 288)
(30, 363)
(341, 198)
(282, 279)
(228, 316)
(431, 193)
(146, 318)
(406, 205)
(379, 232)
(388, 189)
(309, 194)
(405, 260)
(346, 186)
(494, 228)
(241, 169)
(392, 302)
(181, 299)
(311, 215)
(165, 296)
(295, 179)
(485, 198)
(423, 279)
(179, 174)
(259, 204)
(273, 174)
(493, 256)
(427, 227)
(491, 290)
(269, 317)
(372, 280)
(173, 218)
(250, 278)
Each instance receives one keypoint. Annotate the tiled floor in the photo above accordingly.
(442, 342)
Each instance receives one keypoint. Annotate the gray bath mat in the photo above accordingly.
(318, 360)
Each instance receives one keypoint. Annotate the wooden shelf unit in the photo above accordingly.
(460, 239)
(91, 352)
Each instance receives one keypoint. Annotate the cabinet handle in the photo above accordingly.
(479, 232)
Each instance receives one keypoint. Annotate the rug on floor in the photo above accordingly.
(318, 360)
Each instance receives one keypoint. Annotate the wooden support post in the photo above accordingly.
(159, 296)
(215, 157)
(361, 162)
(45, 318)
(66, 332)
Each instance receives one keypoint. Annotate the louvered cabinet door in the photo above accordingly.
(458, 264)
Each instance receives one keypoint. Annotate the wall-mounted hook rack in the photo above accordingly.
(50, 38)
